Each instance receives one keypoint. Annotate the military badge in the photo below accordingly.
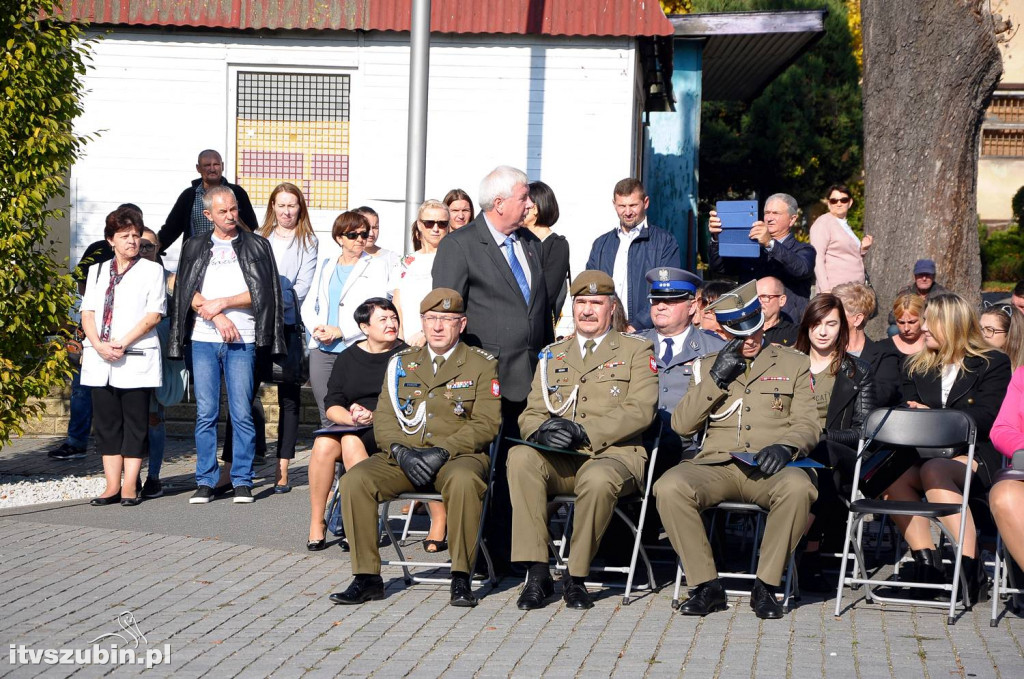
(495, 388)
(446, 303)
(593, 288)
(654, 366)
(459, 410)
(777, 401)
(413, 365)
(663, 274)
(615, 391)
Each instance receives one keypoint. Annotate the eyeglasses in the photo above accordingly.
(432, 319)
(147, 247)
(839, 201)
(434, 223)
(767, 298)
(989, 331)
(353, 235)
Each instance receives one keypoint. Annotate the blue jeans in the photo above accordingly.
(157, 440)
(235, 361)
(80, 421)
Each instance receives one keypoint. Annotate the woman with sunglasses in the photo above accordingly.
(839, 253)
(413, 280)
(340, 284)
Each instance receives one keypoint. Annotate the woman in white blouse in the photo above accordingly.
(839, 253)
(341, 283)
(412, 279)
(286, 225)
(390, 257)
(123, 303)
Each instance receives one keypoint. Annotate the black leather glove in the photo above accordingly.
(729, 364)
(417, 466)
(559, 432)
(434, 458)
(772, 459)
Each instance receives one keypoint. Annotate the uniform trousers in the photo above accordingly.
(462, 482)
(534, 476)
(688, 489)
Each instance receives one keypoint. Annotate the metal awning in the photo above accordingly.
(744, 51)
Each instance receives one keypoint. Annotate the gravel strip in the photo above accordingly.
(18, 491)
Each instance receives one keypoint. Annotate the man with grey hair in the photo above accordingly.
(496, 267)
(187, 219)
(781, 254)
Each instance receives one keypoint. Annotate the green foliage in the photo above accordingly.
(1017, 205)
(805, 130)
(40, 96)
(1002, 256)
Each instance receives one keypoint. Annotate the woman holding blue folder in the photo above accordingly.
(844, 392)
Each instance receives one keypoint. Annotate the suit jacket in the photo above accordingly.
(777, 406)
(615, 401)
(837, 256)
(791, 261)
(462, 408)
(499, 319)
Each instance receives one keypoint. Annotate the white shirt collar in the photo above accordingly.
(632, 233)
(677, 340)
(498, 236)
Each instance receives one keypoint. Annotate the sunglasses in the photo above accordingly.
(839, 201)
(434, 223)
(147, 247)
(353, 235)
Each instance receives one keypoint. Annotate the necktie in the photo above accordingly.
(588, 351)
(438, 362)
(517, 269)
(667, 356)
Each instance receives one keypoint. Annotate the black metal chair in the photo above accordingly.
(933, 433)
(1004, 580)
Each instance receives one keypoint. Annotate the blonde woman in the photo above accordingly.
(956, 369)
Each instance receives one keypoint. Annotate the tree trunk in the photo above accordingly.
(930, 67)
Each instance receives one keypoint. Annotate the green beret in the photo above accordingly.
(445, 300)
(591, 282)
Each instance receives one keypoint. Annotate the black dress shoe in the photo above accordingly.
(707, 597)
(535, 592)
(131, 501)
(462, 593)
(364, 588)
(317, 545)
(104, 501)
(575, 594)
(762, 600)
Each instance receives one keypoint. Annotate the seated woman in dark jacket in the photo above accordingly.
(859, 302)
(844, 391)
(352, 392)
(957, 370)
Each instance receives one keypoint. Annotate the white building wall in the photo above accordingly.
(561, 109)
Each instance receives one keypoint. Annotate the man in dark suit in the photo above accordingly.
(496, 266)
(781, 254)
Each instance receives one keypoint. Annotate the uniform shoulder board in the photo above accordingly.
(483, 353)
(635, 335)
(782, 348)
(558, 343)
(407, 350)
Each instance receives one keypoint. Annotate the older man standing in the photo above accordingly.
(227, 312)
(496, 267)
(629, 251)
(187, 218)
(438, 412)
(593, 397)
(750, 399)
(781, 254)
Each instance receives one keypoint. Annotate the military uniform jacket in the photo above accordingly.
(771, 403)
(616, 397)
(461, 404)
(674, 376)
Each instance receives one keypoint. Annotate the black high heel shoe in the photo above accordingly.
(317, 545)
(104, 501)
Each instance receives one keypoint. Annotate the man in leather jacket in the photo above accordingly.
(227, 306)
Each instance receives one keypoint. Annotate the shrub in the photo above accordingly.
(1017, 205)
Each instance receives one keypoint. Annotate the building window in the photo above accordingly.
(1002, 135)
(294, 127)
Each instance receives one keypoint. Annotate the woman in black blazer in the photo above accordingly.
(554, 247)
(845, 392)
(957, 370)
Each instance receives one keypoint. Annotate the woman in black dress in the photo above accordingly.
(554, 248)
(352, 392)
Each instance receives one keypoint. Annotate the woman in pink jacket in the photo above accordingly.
(839, 253)
(1006, 499)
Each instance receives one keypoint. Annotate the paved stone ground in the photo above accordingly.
(232, 591)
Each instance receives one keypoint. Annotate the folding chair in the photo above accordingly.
(558, 546)
(790, 585)
(935, 433)
(1003, 581)
(481, 546)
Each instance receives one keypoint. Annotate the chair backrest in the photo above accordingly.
(920, 427)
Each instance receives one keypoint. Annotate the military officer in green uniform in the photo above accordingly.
(755, 400)
(592, 397)
(440, 408)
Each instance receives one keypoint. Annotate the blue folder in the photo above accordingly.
(805, 462)
(737, 217)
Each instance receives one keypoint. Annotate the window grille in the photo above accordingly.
(293, 127)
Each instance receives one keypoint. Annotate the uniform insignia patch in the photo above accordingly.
(495, 388)
(615, 391)
(462, 384)
(459, 410)
(560, 356)
(613, 364)
(654, 366)
(561, 370)
(413, 365)
(446, 303)
(694, 345)
(662, 274)
(411, 384)
(773, 378)
(593, 288)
